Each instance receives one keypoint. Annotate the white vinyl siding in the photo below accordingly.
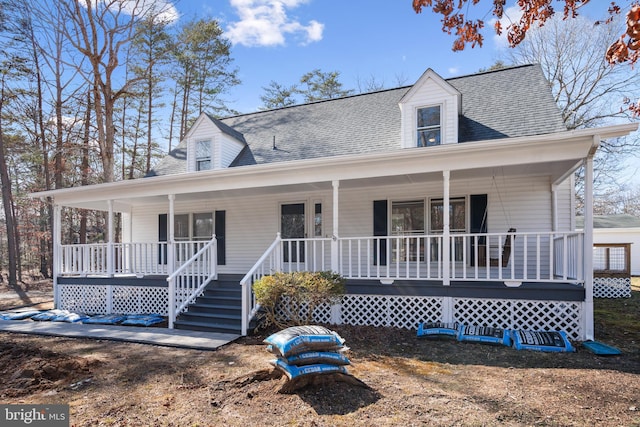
(229, 148)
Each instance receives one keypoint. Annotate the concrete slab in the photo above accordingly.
(156, 336)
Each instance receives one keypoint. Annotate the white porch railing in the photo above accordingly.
(391, 257)
(128, 258)
(518, 256)
(190, 279)
(269, 263)
(86, 259)
(140, 258)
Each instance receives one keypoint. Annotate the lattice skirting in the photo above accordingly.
(521, 314)
(409, 312)
(101, 299)
(612, 287)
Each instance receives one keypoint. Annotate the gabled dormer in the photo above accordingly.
(429, 112)
(212, 144)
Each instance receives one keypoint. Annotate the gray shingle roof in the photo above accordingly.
(511, 102)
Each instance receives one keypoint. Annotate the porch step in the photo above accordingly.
(218, 309)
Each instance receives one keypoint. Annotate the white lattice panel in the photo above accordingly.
(365, 310)
(93, 299)
(612, 287)
(395, 311)
(139, 300)
(322, 313)
(521, 314)
(376, 310)
(83, 298)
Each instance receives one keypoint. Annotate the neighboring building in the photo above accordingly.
(622, 231)
(359, 185)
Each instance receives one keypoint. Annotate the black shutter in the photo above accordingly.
(478, 223)
(163, 231)
(220, 225)
(380, 228)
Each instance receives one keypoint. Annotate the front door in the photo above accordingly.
(292, 226)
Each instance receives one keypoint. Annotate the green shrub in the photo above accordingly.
(290, 299)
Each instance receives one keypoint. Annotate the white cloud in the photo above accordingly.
(453, 71)
(511, 15)
(266, 23)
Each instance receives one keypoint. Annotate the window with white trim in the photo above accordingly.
(195, 226)
(428, 126)
(407, 219)
(203, 155)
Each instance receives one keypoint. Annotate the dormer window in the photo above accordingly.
(203, 155)
(428, 126)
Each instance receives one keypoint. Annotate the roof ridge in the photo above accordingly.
(320, 101)
(374, 92)
(497, 70)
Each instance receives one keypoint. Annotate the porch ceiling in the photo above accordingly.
(554, 155)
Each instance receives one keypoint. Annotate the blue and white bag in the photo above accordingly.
(301, 339)
(438, 330)
(318, 357)
(484, 334)
(293, 371)
(551, 341)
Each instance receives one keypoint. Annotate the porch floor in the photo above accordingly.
(529, 290)
(156, 336)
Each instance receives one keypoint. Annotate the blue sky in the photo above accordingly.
(385, 40)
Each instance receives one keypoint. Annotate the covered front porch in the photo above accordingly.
(525, 239)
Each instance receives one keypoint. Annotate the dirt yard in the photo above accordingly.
(410, 381)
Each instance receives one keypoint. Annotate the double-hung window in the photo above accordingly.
(196, 226)
(428, 126)
(407, 220)
(203, 155)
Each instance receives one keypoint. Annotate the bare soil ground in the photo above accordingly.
(410, 381)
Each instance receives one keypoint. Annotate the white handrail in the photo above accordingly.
(190, 279)
(274, 256)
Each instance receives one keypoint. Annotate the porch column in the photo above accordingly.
(57, 252)
(554, 206)
(171, 263)
(335, 244)
(588, 242)
(447, 302)
(110, 247)
(446, 244)
(171, 240)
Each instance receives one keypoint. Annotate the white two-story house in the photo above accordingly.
(448, 200)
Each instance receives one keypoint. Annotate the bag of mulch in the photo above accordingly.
(551, 341)
(438, 330)
(142, 320)
(18, 315)
(49, 315)
(484, 334)
(105, 319)
(301, 339)
(292, 371)
(69, 318)
(318, 357)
